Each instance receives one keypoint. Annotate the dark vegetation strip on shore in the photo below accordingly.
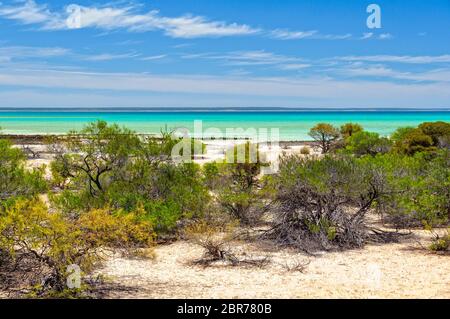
(37, 139)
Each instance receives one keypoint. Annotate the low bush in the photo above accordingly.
(238, 188)
(420, 188)
(367, 143)
(323, 202)
(441, 243)
(15, 179)
(325, 135)
(349, 129)
(305, 150)
(51, 242)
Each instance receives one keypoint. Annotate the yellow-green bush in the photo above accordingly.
(306, 150)
(54, 240)
(441, 243)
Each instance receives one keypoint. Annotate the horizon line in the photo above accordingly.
(223, 109)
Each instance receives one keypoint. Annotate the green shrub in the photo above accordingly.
(305, 150)
(315, 199)
(111, 166)
(50, 241)
(438, 131)
(349, 129)
(441, 243)
(367, 143)
(411, 141)
(325, 135)
(418, 187)
(15, 179)
(238, 188)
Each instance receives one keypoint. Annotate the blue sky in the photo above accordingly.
(224, 53)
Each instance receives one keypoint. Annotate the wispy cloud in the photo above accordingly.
(27, 12)
(399, 58)
(284, 34)
(131, 18)
(371, 71)
(153, 57)
(181, 45)
(367, 35)
(108, 18)
(9, 53)
(109, 56)
(385, 36)
(359, 69)
(325, 92)
(294, 66)
(129, 42)
(254, 59)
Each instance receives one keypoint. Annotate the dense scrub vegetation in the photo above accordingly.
(414, 163)
(111, 188)
(241, 192)
(113, 167)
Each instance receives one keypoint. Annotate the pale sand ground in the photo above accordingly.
(400, 270)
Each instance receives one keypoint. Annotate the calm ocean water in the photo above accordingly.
(292, 125)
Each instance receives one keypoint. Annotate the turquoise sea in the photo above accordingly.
(292, 125)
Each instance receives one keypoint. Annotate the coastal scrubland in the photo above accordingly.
(350, 214)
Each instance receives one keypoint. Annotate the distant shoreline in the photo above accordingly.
(37, 139)
(215, 110)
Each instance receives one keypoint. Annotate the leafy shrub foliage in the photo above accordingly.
(349, 129)
(367, 143)
(323, 202)
(15, 179)
(420, 188)
(441, 243)
(325, 135)
(108, 165)
(239, 189)
(52, 241)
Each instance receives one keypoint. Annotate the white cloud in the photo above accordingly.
(253, 59)
(358, 70)
(320, 89)
(18, 52)
(284, 34)
(367, 35)
(292, 35)
(194, 26)
(27, 12)
(256, 58)
(424, 59)
(109, 57)
(294, 66)
(377, 71)
(247, 58)
(385, 36)
(109, 18)
(154, 57)
(129, 18)
(334, 36)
